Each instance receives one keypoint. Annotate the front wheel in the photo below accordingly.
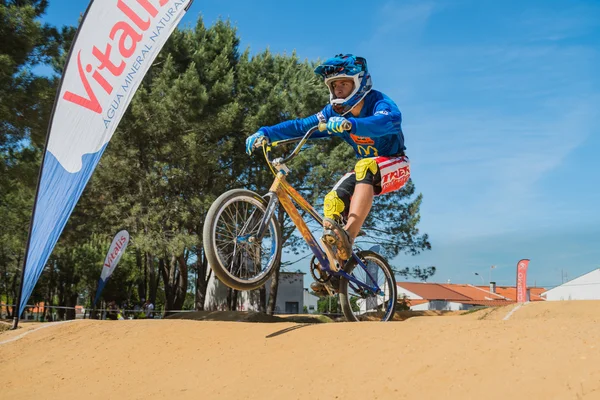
(238, 258)
(375, 298)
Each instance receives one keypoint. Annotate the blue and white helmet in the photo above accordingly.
(349, 67)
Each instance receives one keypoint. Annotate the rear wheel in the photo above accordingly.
(378, 302)
(236, 256)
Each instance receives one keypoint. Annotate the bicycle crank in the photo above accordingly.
(331, 256)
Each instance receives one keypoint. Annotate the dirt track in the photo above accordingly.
(544, 351)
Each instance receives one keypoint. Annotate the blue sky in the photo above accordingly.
(500, 104)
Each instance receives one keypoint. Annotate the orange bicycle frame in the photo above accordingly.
(285, 194)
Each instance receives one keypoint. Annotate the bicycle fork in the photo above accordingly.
(273, 203)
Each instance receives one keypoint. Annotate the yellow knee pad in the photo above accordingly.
(364, 165)
(333, 206)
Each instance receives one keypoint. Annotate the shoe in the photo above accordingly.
(336, 235)
(320, 289)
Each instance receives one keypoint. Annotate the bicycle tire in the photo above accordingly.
(389, 307)
(217, 255)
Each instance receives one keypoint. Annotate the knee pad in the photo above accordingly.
(333, 206)
(366, 168)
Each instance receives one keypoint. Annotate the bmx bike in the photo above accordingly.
(243, 244)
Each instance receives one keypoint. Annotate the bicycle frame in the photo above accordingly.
(282, 192)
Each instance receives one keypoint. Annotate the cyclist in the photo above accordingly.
(370, 122)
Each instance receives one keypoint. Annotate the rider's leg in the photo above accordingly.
(366, 176)
(360, 206)
(354, 197)
(336, 204)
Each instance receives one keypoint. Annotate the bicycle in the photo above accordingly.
(242, 242)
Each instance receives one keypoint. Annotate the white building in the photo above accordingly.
(290, 295)
(310, 302)
(585, 287)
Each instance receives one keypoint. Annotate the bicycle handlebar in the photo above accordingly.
(278, 161)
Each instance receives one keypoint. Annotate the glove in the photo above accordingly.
(338, 125)
(255, 141)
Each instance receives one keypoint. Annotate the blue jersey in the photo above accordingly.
(375, 132)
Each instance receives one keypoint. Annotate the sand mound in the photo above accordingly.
(540, 310)
(544, 351)
(559, 311)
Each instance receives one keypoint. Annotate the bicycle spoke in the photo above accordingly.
(229, 213)
(234, 238)
(245, 229)
(233, 253)
(370, 304)
(229, 228)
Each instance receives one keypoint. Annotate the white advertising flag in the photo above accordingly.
(116, 250)
(112, 51)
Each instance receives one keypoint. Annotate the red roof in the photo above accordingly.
(489, 303)
(466, 294)
(432, 291)
(510, 292)
(416, 302)
(474, 292)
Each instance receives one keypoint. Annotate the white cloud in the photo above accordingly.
(480, 174)
(558, 24)
(404, 19)
(485, 124)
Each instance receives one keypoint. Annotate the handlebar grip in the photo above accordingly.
(346, 125)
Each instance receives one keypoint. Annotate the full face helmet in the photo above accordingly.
(346, 66)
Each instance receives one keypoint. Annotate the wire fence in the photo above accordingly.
(40, 313)
(51, 313)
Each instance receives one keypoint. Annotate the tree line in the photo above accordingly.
(178, 147)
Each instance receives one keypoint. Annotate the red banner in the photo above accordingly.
(522, 281)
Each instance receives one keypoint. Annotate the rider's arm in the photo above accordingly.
(386, 120)
(296, 128)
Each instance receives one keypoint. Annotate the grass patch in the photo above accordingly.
(490, 311)
(241, 316)
(4, 327)
(323, 318)
(474, 310)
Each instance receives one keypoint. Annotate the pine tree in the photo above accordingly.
(25, 104)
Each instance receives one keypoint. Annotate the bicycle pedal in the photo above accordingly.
(329, 236)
